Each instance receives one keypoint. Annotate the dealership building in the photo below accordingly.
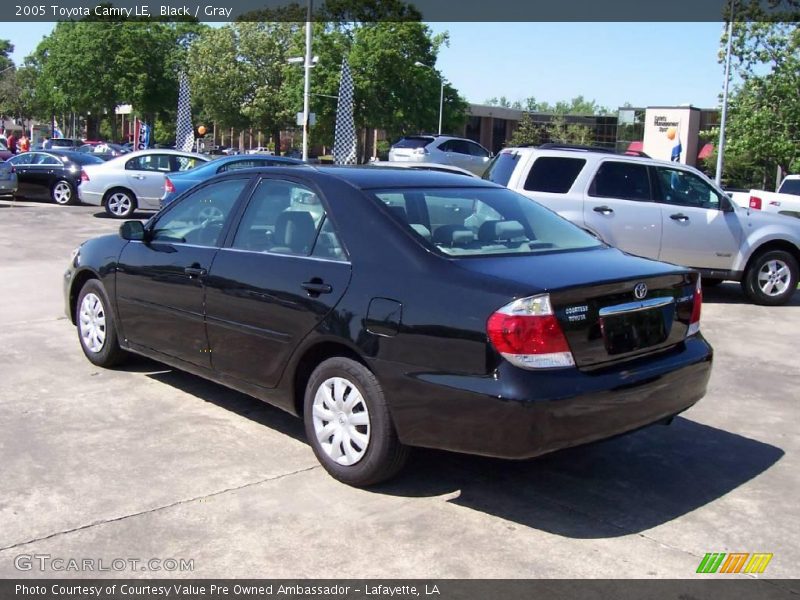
(658, 131)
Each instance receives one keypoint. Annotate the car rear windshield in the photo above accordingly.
(83, 158)
(502, 166)
(471, 222)
(790, 186)
(413, 142)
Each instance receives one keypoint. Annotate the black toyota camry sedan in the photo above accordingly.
(391, 308)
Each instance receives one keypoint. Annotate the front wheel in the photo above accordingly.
(62, 192)
(348, 424)
(96, 328)
(771, 278)
(120, 204)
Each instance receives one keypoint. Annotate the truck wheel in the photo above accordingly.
(771, 278)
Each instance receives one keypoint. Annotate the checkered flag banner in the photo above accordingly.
(184, 132)
(345, 141)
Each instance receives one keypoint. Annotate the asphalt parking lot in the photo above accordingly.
(148, 462)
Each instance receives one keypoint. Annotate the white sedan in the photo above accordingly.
(134, 180)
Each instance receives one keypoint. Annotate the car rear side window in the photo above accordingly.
(553, 174)
(473, 222)
(622, 180)
(502, 166)
(413, 142)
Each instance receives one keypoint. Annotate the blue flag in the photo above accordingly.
(676, 152)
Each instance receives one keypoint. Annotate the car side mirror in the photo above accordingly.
(133, 231)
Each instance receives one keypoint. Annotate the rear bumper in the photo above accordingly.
(89, 197)
(521, 414)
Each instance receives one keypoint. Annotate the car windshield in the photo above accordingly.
(413, 142)
(471, 222)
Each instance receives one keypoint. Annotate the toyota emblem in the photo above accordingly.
(640, 291)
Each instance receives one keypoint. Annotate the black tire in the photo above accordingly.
(767, 261)
(109, 353)
(63, 193)
(384, 455)
(120, 203)
(710, 283)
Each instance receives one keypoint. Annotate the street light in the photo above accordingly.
(441, 91)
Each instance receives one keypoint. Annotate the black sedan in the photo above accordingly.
(393, 308)
(53, 174)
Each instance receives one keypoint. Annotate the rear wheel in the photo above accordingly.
(348, 424)
(771, 278)
(96, 328)
(62, 192)
(120, 204)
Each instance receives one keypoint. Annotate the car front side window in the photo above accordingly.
(199, 218)
(684, 188)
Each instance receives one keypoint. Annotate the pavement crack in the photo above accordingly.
(160, 508)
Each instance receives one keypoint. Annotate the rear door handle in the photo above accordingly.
(679, 217)
(606, 210)
(138, 176)
(316, 286)
(193, 272)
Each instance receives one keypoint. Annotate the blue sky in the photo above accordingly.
(641, 63)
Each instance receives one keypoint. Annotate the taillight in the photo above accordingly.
(84, 175)
(527, 334)
(13, 170)
(697, 305)
(421, 150)
(170, 189)
(755, 202)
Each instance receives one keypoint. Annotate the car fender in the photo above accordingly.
(761, 236)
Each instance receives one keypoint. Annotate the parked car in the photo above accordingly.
(372, 303)
(53, 174)
(422, 167)
(5, 153)
(786, 201)
(62, 143)
(177, 183)
(260, 150)
(8, 179)
(660, 210)
(441, 149)
(134, 180)
(104, 150)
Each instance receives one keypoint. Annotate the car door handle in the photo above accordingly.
(606, 210)
(138, 176)
(316, 286)
(679, 217)
(193, 272)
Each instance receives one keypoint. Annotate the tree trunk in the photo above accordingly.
(113, 116)
(276, 135)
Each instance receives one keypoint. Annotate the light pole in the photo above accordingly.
(724, 115)
(441, 91)
(307, 84)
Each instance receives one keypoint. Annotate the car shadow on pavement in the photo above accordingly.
(136, 216)
(732, 293)
(608, 489)
(231, 400)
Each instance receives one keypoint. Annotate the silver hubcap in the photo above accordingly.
(341, 421)
(211, 213)
(119, 203)
(774, 277)
(62, 192)
(92, 323)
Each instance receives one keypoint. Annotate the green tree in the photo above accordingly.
(528, 133)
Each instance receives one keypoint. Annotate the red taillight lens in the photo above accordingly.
(527, 334)
(170, 189)
(755, 202)
(697, 305)
(84, 175)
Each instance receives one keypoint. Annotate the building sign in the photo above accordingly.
(670, 133)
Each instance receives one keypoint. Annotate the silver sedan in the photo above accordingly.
(133, 181)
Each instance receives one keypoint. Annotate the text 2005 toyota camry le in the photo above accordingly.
(395, 308)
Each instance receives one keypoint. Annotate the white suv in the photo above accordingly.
(660, 210)
(441, 149)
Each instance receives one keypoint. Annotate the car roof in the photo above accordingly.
(589, 154)
(164, 151)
